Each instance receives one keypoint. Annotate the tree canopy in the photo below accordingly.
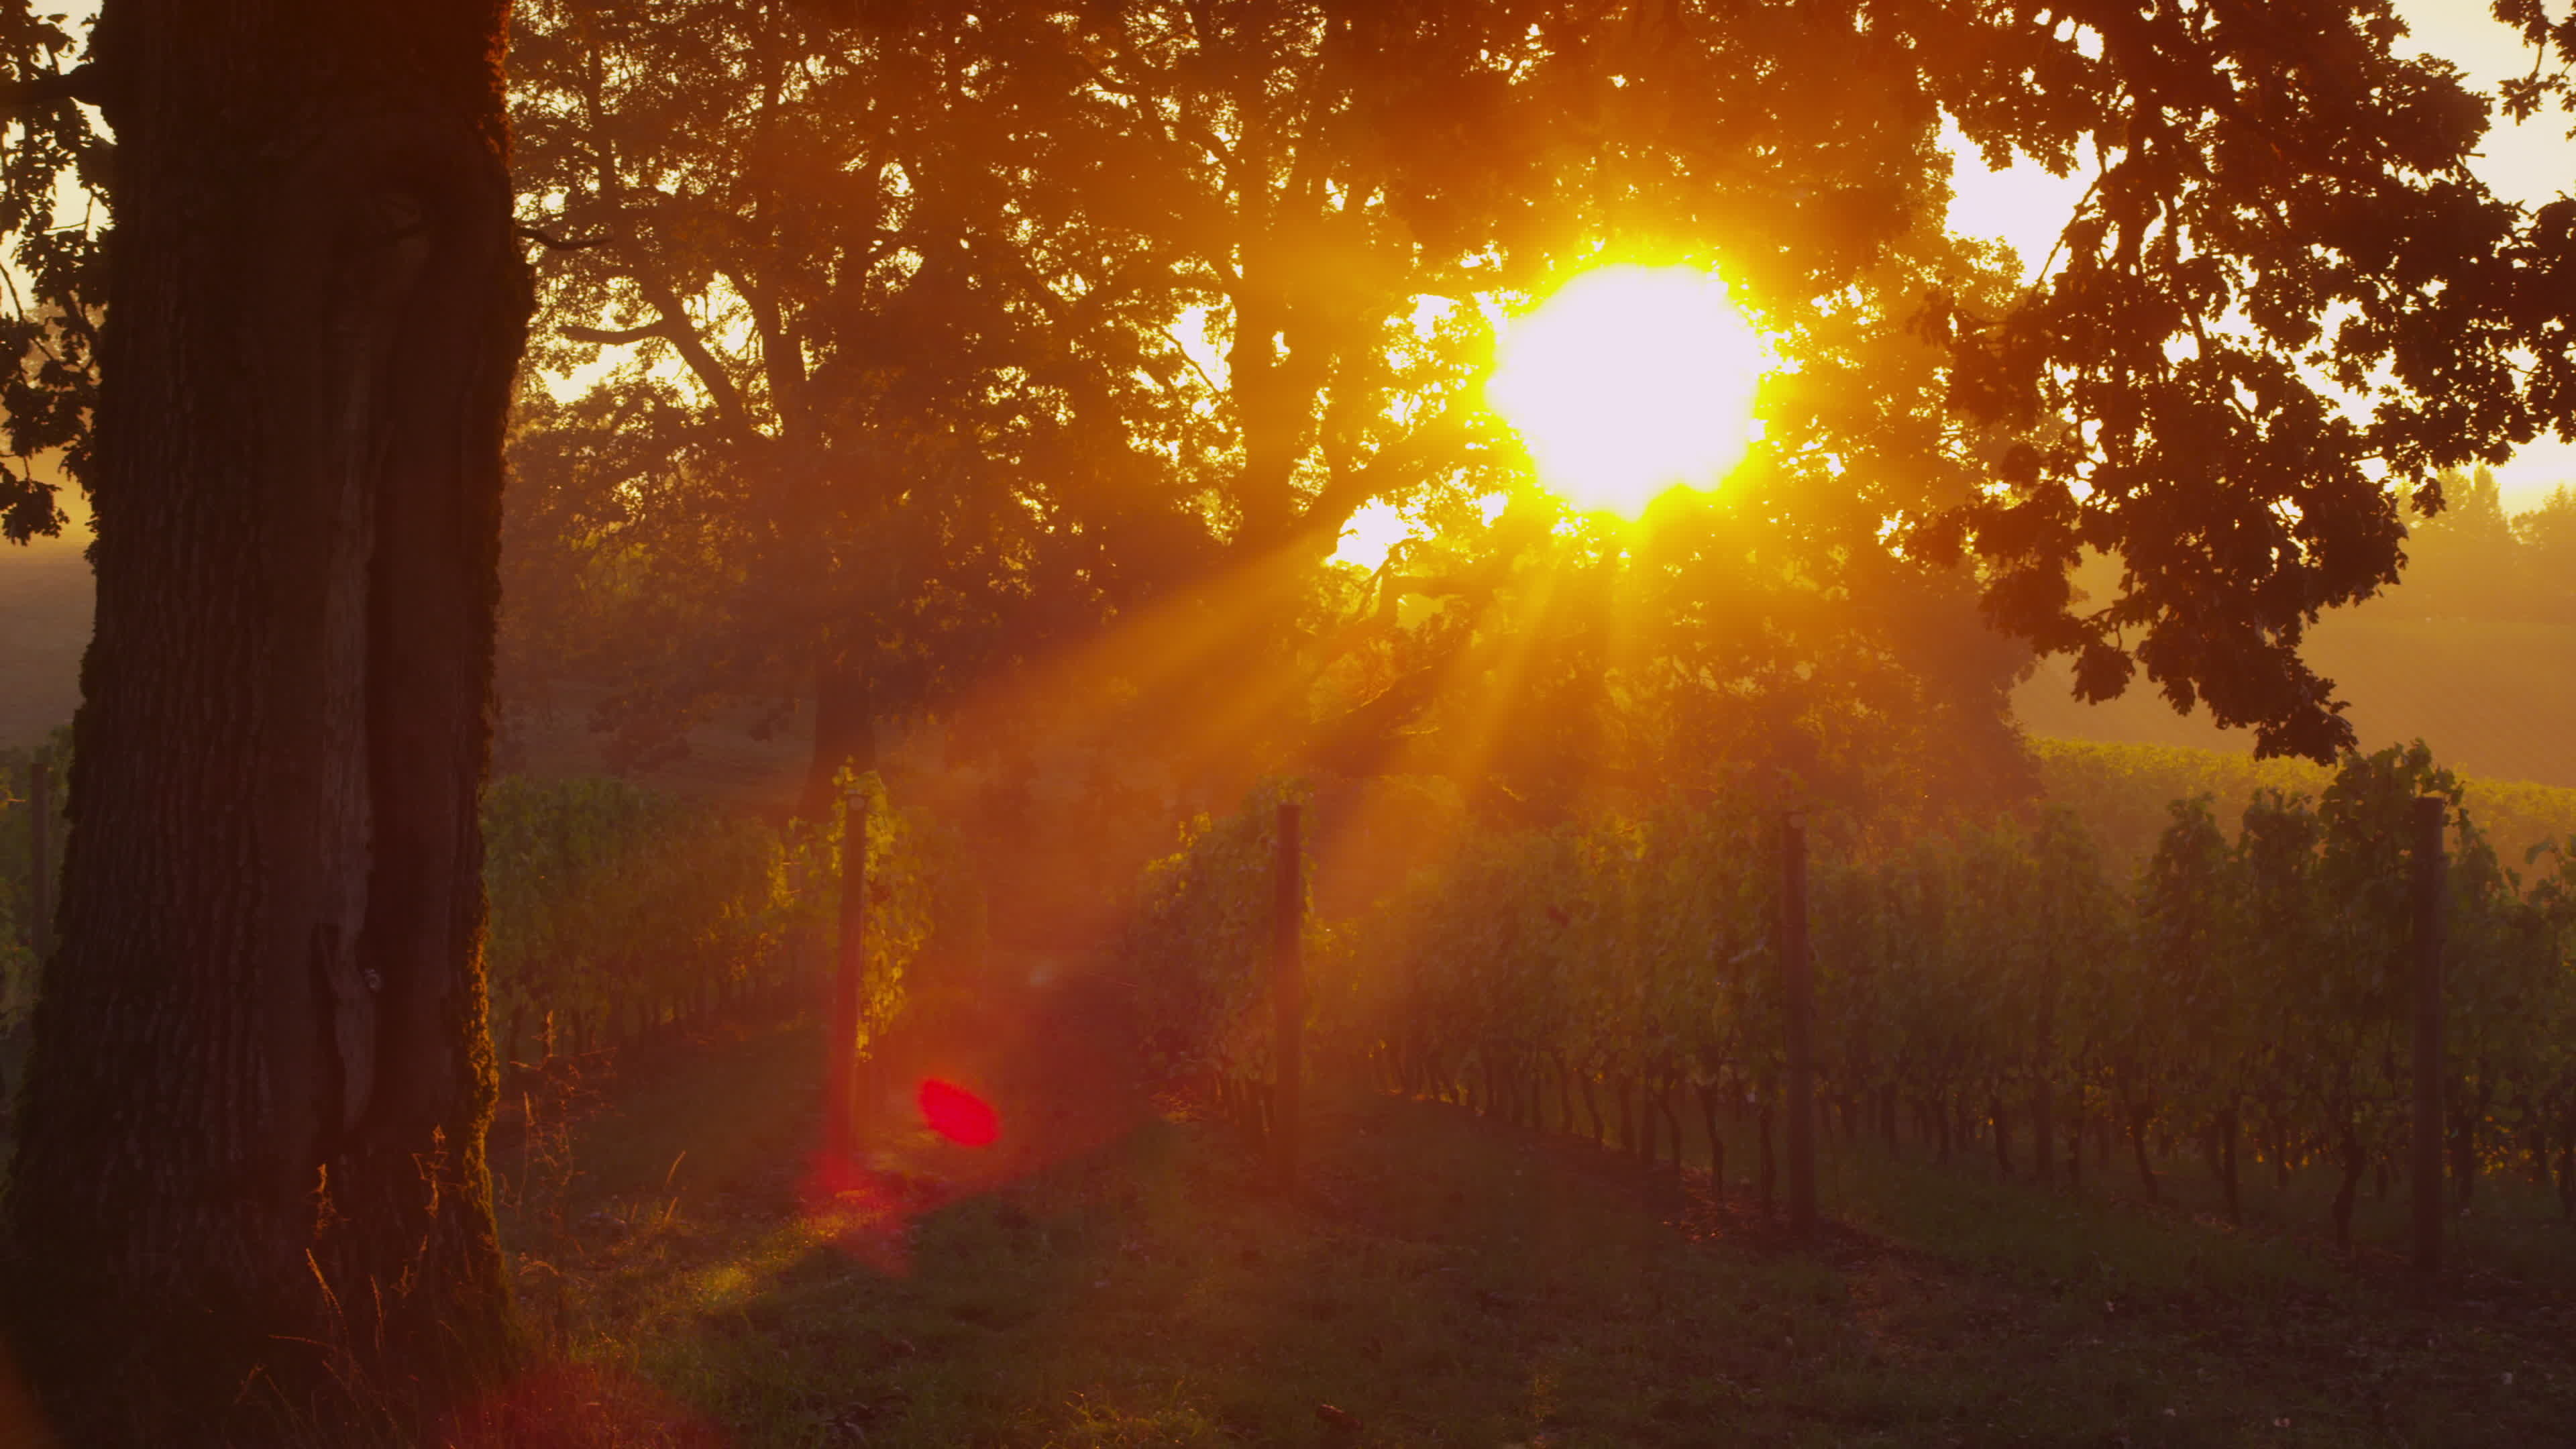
(871, 419)
(51, 321)
(908, 295)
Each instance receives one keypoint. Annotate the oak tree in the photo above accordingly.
(875, 393)
(249, 1187)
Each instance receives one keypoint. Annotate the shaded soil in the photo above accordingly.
(1119, 1269)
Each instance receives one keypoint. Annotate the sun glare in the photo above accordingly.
(1629, 381)
(1372, 534)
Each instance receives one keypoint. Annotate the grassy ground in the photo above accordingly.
(1116, 1272)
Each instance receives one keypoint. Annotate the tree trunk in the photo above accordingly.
(2567, 1165)
(1769, 1165)
(2139, 1117)
(2345, 1190)
(2227, 1166)
(2043, 1133)
(2003, 1134)
(2464, 1138)
(252, 1152)
(1716, 1144)
(2075, 1145)
(845, 733)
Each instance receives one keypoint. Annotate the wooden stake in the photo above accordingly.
(2427, 1145)
(1288, 989)
(841, 1039)
(1797, 992)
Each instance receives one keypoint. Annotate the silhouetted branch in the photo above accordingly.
(615, 337)
(81, 83)
(554, 243)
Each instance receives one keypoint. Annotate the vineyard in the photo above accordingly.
(2233, 1002)
(2004, 1000)
(617, 911)
(2240, 999)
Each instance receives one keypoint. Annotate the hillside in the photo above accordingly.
(2492, 698)
(2123, 791)
(44, 626)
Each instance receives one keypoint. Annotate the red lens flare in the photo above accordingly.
(958, 1115)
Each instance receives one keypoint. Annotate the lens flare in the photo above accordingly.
(1629, 381)
(958, 1115)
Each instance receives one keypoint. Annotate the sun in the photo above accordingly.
(1628, 381)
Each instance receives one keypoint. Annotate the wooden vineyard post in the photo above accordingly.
(1288, 991)
(1797, 995)
(841, 1039)
(40, 884)
(2427, 1156)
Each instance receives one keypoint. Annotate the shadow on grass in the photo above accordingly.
(1445, 1279)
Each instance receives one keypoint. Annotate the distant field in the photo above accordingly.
(2123, 790)
(2493, 699)
(44, 626)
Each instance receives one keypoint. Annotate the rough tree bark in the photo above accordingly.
(251, 1185)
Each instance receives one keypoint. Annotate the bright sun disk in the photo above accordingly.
(1629, 381)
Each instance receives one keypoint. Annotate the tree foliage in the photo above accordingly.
(51, 154)
(945, 254)
(879, 399)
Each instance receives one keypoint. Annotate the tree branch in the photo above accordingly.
(554, 243)
(83, 83)
(1422, 448)
(614, 337)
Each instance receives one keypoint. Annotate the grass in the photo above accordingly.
(1119, 1272)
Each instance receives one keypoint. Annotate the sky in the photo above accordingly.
(2530, 163)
